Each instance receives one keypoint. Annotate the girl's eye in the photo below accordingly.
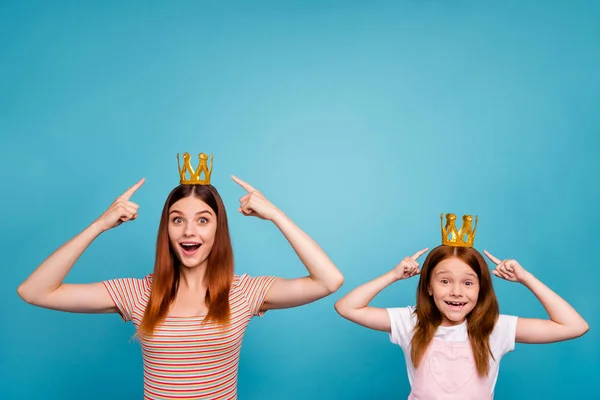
(203, 220)
(177, 220)
(444, 281)
(468, 283)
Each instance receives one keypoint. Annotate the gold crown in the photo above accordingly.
(451, 236)
(193, 177)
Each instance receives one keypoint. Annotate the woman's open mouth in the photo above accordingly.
(189, 248)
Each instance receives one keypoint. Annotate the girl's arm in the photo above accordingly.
(354, 306)
(564, 323)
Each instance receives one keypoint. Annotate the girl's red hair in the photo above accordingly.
(480, 321)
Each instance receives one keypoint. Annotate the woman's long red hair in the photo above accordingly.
(480, 321)
(219, 272)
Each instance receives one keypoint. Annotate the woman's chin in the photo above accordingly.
(191, 262)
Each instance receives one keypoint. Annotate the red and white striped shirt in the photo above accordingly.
(185, 359)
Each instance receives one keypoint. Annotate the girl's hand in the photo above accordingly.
(409, 266)
(510, 270)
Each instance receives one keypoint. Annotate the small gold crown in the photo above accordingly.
(193, 175)
(465, 237)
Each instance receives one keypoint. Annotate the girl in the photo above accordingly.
(191, 313)
(454, 338)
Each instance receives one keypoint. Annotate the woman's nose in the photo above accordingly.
(188, 230)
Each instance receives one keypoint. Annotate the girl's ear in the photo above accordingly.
(429, 290)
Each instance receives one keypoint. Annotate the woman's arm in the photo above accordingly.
(323, 279)
(45, 287)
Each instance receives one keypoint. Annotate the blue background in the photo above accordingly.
(363, 121)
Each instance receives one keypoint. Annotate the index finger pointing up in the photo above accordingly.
(491, 257)
(419, 253)
(243, 184)
(129, 192)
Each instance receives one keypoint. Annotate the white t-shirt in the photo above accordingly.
(502, 339)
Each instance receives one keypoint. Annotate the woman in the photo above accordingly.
(192, 311)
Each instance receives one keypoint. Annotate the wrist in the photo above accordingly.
(527, 279)
(95, 228)
(277, 216)
(394, 276)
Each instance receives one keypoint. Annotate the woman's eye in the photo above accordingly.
(203, 220)
(444, 281)
(177, 220)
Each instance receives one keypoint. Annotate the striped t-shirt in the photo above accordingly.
(185, 359)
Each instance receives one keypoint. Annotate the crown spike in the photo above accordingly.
(199, 176)
(463, 237)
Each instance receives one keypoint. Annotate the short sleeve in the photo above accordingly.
(255, 291)
(402, 323)
(502, 339)
(126, 294)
